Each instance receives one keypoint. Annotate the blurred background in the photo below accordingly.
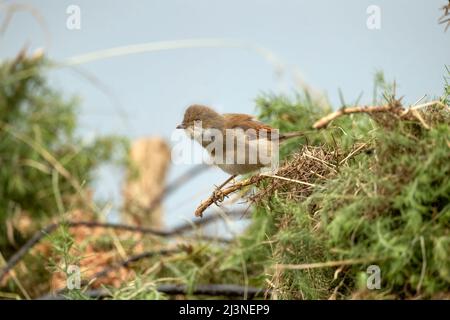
(233, 51)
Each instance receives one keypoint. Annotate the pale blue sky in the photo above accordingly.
(326, 41)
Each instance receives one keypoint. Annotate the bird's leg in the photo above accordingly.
(226, 181)
(218, 194)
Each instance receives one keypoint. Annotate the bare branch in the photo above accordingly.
(323, 122)
(215, 290)
(39, 235)
(391, 107)
(126, 263)
(219, 195)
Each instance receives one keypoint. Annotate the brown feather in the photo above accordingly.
(246, 122)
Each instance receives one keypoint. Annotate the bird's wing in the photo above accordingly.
(247, 122)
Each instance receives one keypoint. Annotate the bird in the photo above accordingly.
(237, 143)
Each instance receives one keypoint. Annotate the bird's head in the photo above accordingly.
(202, 116)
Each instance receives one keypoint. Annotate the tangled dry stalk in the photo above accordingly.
(297, 178)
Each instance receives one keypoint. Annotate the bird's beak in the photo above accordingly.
(181, 126)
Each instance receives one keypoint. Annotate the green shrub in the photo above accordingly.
(388, 205)
(44, 164)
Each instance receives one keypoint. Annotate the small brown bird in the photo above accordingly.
(237, 143)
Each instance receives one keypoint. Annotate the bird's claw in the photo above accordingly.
(219, 196)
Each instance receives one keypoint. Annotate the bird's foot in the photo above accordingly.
(218, 196)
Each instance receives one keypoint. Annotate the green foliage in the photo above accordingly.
(38, 138)
(388, 205)
(138, 289)
(66, 255)
(292, 115)
(391, 204)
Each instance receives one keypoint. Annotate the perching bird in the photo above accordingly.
(237, 143)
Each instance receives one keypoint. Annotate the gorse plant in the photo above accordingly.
(388, 206)
(43, 162)
(65, 261)
(381, 197)
(384, 201)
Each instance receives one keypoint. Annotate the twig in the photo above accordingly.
(219, 196)
(125, 263)
(16, 280)
(445, 17)
(25, 248)
(326, 264)
(416, 114)
(290, 180)
(228, 290)
(323, 122)
(353, 152)
(39, 235)
(416, 107)
(329, 165)
(215, 290)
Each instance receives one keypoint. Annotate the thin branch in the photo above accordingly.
(228, 290)
(39, 235)
(219, 195)
(25, 248)
(327, 264)
(323, 122)
(353, 153)
(126, 263)
(214, 290)
(290, 180)
(445, 18)
(395, 108)
(16, 280)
